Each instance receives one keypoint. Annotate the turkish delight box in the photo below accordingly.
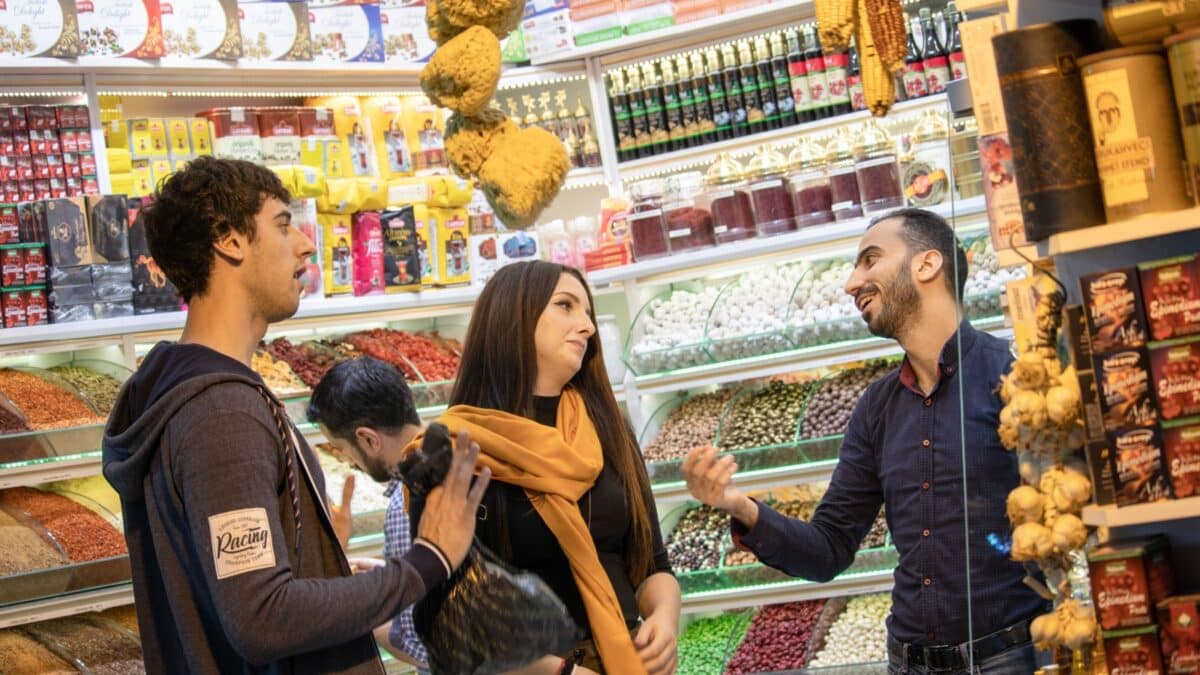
(201, 29)
(275, 31)
(405, 37)
(346, 32)
(1175, 369)
(128, 28)
(38, 28)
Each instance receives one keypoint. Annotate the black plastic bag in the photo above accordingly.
(487, 617)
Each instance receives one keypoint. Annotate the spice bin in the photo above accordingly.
(727, 198)
(926, 175)
(689, 223)
(820, 311)
(878, 169)
(843, 181)
(748, 318)
(773, 209)
(647, 228)
(810, 184)
(668, 332)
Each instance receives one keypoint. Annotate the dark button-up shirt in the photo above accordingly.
(906, 450)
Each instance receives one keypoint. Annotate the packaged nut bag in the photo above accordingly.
(1128, 579)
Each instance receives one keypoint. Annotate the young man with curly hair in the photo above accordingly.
(236, 566)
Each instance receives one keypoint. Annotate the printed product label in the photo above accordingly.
(346, 33)
(201, 29)
(38, 28)
(1122, 157)
(121, 28)
(241, 542)
(274, 31)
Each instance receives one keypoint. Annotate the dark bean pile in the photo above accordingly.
(777, 640)
(103, 651)
(829, 408)
(695, 543)
(694, 423)
(81, 532)
(765, 417)
(22, 655)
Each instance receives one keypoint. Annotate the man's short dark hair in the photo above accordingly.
(198, 205)
(362, 392)
(927, 231)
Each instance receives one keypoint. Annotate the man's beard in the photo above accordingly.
(898, 306)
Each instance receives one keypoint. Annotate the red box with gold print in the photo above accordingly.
(1135, 651)
(1171, 296)
(1181, 445)
(1175, 369)
(1129, 579)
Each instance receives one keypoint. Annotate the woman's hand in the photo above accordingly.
(656, 643)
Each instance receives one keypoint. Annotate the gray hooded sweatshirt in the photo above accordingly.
(236, 568)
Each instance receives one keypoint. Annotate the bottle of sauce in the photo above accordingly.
(656, 114)
(958, 61)
(676, 131)
(637, 112)
(914, 71)
(784, 98)
(858, 97)
(935, 59)
(836, 75)
(702, 100)
(756, 116)
(798, 74)
(622, 123)
(734, 99)
(818, 85)
(718, 97)
(687, 103)
(766, 83)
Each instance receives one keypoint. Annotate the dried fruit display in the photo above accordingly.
(777, 639)
(278, 377)
(308, 362)
(100, 389)
(692, 424)
(102, 651)
(434, 362)
(695, 543)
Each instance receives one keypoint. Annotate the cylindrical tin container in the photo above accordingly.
(1138, 154)
(1183, 51)
(964, 147)
(1046, 111)
(1134, 22)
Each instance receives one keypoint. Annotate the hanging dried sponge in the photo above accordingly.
(522, 175)
(471, 140)
(447, 18)
(462, 74)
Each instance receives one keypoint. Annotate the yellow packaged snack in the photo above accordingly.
(352, 129)
(339, 260)
(424, 126)
(450, 231)
(201, 132)
(440, 191)
(122, 183)
(340, 196)
(392, 154)
(372, 194)
(147, 137)
(301, 181)
(118, 160)
(179, 141)
(143, 178)
(324, 154)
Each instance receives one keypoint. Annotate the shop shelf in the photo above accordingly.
(735, 300)
(53, 581)
(1141, 514)
(1137, 229)
(875, 576)
(114, 370)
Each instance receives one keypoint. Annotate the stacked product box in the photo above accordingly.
(45, 153)
(152, 292)
(88, 273)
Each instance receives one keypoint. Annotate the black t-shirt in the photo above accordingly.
(532, 546)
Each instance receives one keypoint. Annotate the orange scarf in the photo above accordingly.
(556, 467)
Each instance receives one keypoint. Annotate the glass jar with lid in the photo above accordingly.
(774, 211)
(647, 229)
(926, 174)
(964, 150)
(810, 184)
(689, 222)
(843, 181)
(878, 169)
(727, 198)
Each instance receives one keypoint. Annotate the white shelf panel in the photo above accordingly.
(585, 177)
(1146, 227)
(667, 495)
(792, 591)
(785, 362)
(784, 246)
(705, 155)
(1141, 514)
(51, 470)
(70, 604)
(777, 14)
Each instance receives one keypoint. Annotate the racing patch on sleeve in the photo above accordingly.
(241, 542)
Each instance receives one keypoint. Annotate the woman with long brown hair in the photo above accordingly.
(569, 498)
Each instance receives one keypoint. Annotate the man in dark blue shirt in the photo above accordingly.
(912, 440)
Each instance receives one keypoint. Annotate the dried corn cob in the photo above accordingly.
(878, 83)
(890, 31)
(835, 22)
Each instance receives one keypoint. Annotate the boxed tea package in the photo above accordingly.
(279, 129)
(35, 264)
(147, 138)
(1171, 296)
(12, 304)
(39, 28)
(129, 28)
(1182, 447)
(235, 133)
(108, 228)
(484, 256)
(1179, 633)
(350, 127)
(450, 231)
(1139, 467)
(275, 30)
(338, 253)
(1112, 302)
(424, 126)
(201, 29)
(368, 253)
(1126, 392)
(1134, 650)
(401, 257)
(1128, 579)
(392, 153)
(66, 233)
(36, 306)
(304, 218)
(12, 267)
(405, 37)
(1175, 369)
(346, 31)
(152, 291)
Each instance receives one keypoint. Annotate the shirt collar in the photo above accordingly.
(391, 487)
(948, 362)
